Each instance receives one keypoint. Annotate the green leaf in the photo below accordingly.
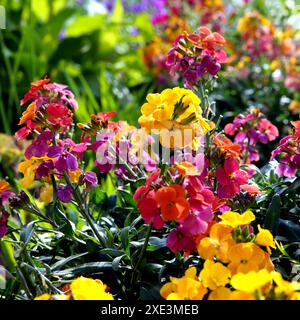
(125, 238)
(27, 232)
(116, 262)
(273, 215)
(84, 25)
(86, 268)
(62, 262)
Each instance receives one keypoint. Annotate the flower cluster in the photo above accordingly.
(237, 265)
(81, 289)
(173, 114)
(249, 129)
(196, 55)
(289, 149)
(52, 158)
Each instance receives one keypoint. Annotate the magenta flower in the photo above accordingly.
(90, 179)
(64, 194)
(3, 223)
(177, 241)
(230, 178)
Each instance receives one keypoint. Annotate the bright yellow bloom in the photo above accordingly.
(217, 244)
(89, 289)
(234, 219)
(214, 275)
(189, 287)
(174, 113)
(265, 238)
(245, 257)
(251, 281)
(285, 287)
(221, 293)
(45, 296)
(46, 193)
(28, 168)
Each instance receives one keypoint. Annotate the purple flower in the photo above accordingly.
(43, 169)
(66, 161)
(39, 147)
(64, 194)
(3, 223)
(90, 178)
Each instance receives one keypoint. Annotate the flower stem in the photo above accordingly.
(135, 272)
(84, 209)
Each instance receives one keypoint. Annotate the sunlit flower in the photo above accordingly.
(245, 257)
(89, 289)
(172, 202)
(214, 275)
(265, 238)
(217, 244)
(234, 219)
(189, 287)
(251, 281)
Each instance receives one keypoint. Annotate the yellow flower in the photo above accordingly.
(217, 244)
(245, 257)
(45, 296)
(214, 275)
(285, 287)
(251, 281)
(89, 289)
(28, 168)
(189, 287)
(221, 293)
(46, 193)
(174, 112)
(75, 175)
(265, 238)
(234, 219)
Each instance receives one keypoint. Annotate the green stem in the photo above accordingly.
(84, 209)
(135, 272)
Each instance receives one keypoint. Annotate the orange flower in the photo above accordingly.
(227, 146)
(187, 169)
(245, 257)
(217, 244)
(172, 202)
(28, 114)
(4, 186)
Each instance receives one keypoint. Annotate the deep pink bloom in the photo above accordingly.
(3, 223)
(230, 178)
(178, 241)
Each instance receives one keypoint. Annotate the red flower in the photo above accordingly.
(58, 114)
(149, 210)
(103, 116)
(32, 94)
(230, 178)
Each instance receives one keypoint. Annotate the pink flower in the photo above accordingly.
(230, 178)
(268, 131)
(3, 223)
(178, 241)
